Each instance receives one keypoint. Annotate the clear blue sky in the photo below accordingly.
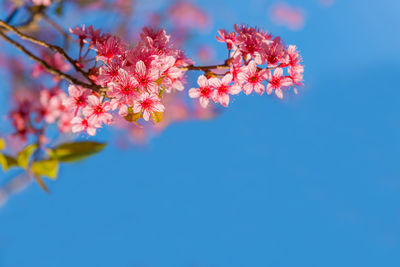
(313, 180)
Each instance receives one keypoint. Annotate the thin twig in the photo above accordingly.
(204, 68)
(46, 45)
(50, 69)
(58, 28)
(12, 14)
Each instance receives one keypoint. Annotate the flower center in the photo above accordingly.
(223, 89)
(276, 82)
(98, 110)
(205, 91)
(146, 103)
(127, 90)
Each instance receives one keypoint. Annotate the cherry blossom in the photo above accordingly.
(97, 111)
(54, 60)
(223, 89)
(253, 79)
(84, 125)
(228, 38)
(203, 92)
(139, 78)
(147, 104)
(124, 88)
(277, 81)
(108, 49)
(78, 97)
(146, 78)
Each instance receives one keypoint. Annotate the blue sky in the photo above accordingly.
(312, 180)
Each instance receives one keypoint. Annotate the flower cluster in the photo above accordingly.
(135, 78)
(29, 115)
(257, 63)
(132, 82)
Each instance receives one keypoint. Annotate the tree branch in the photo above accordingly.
(205, 68)
(49, 68)
(61, 51)
(54, 48)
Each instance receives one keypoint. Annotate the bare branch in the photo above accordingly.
(205, 68)
(49, 68)
(54, 48)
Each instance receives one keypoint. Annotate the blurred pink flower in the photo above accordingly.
(187, 15)
(285, 15)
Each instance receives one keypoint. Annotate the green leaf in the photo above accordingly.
(160, 94)
(2, 144)
(70, 152)
(60, 8)
(7, 162)
(157, 116)
(41, 183)
(24, 155)
(159, 80)
(47, 168)
(133, 117)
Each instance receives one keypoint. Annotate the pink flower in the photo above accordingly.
(77, 99)
(296, 74)
(81, 124)
(81, 32)
(291, 17)
(228, 38)
(109, 48)
(294, 57)
(203, 92)
(146, 78)
(170, 73)
(54, 60)
(52, 107)
(223, 89)
(253, 79)
(155, 38)
(97, 110)
(186, 15)
(238, 70)
(147, 104)
(124, 88)
(121, 106)
(41, 2)
(250, 40)
(64, 123)
(93, 35)
(277, 81)
(274, 53)
(109, 72)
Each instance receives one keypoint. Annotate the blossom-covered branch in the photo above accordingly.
(129, 83)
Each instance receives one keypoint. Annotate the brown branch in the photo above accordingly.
(49, 68)
(36, 13)
(59, 50)
(58, 28)
(12, 14)
(206, 68)
(55, 48)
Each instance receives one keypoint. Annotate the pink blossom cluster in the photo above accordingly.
(54, 60)
(258, 63)
(29, 114)
(135, 78)
(133, 82)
